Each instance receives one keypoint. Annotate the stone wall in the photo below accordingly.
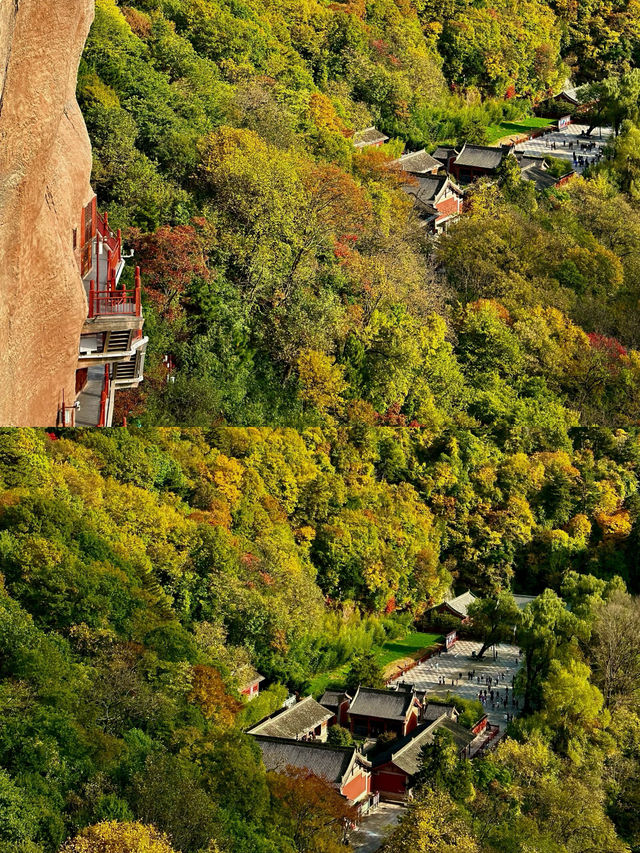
(45, 167)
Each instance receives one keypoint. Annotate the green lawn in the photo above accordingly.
(508, 128)
(408, 647)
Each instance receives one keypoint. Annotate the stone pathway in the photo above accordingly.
(88, 414)
(542, 146)
(375, 827)
(454, 667)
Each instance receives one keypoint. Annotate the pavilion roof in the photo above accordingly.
(250, 676)
(328, 762)
(523, 600)
(381, 703)
(368, 136)
(460, 603)
(480, 156)
(295, 721)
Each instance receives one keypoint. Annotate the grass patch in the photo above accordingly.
(510, 128)
(327, 680)
(412, 646)
(408, 648)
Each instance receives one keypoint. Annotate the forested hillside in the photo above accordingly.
(368, 420)
(145, 574)
(287, 279)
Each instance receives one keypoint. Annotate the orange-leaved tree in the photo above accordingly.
(310, 810)
(208, 691)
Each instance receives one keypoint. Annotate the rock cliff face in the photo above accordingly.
(45, 167)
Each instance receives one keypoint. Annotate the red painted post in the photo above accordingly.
(137, 291)
(92, 296)
(106, 222)
(119, 245)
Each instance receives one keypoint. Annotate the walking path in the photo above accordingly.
(375, 828)
(567, 142)
(88, 414)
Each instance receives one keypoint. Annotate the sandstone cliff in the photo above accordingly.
(45, 166)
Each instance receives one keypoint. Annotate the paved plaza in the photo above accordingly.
(567, 142)
(454, 666)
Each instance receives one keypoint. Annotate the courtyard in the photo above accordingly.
(449, 673)
(566, 142)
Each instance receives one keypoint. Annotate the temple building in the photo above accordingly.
(457, 606)
(373, 711)
(112, 347)
(306, 720)
(478, 161)
(395, 771)
(370, 137)
(437, 201)
(343, 767)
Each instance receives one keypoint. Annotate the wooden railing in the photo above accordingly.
(488, 743)
(480, 725)
(115, 300)
(112, 241)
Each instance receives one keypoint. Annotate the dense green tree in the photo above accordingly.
(495, 619)
(364, 671)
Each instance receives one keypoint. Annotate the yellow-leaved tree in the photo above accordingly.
(115, 837)
(433, 824)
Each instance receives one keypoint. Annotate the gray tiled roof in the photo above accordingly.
(406, 753)
(480, 156)
(293, 722)
(427, 188)
(251, 677)
(417, 162)
(461, 737)
(328, 762)
(384, 704)
(333, 698)
(434, 711)
(443, 154)
(368, 136)
(526, 160)
(461, 602)
(571, 93)
(522, 600)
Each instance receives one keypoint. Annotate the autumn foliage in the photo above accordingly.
(113, 837)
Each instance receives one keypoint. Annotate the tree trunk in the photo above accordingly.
(484, 648)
